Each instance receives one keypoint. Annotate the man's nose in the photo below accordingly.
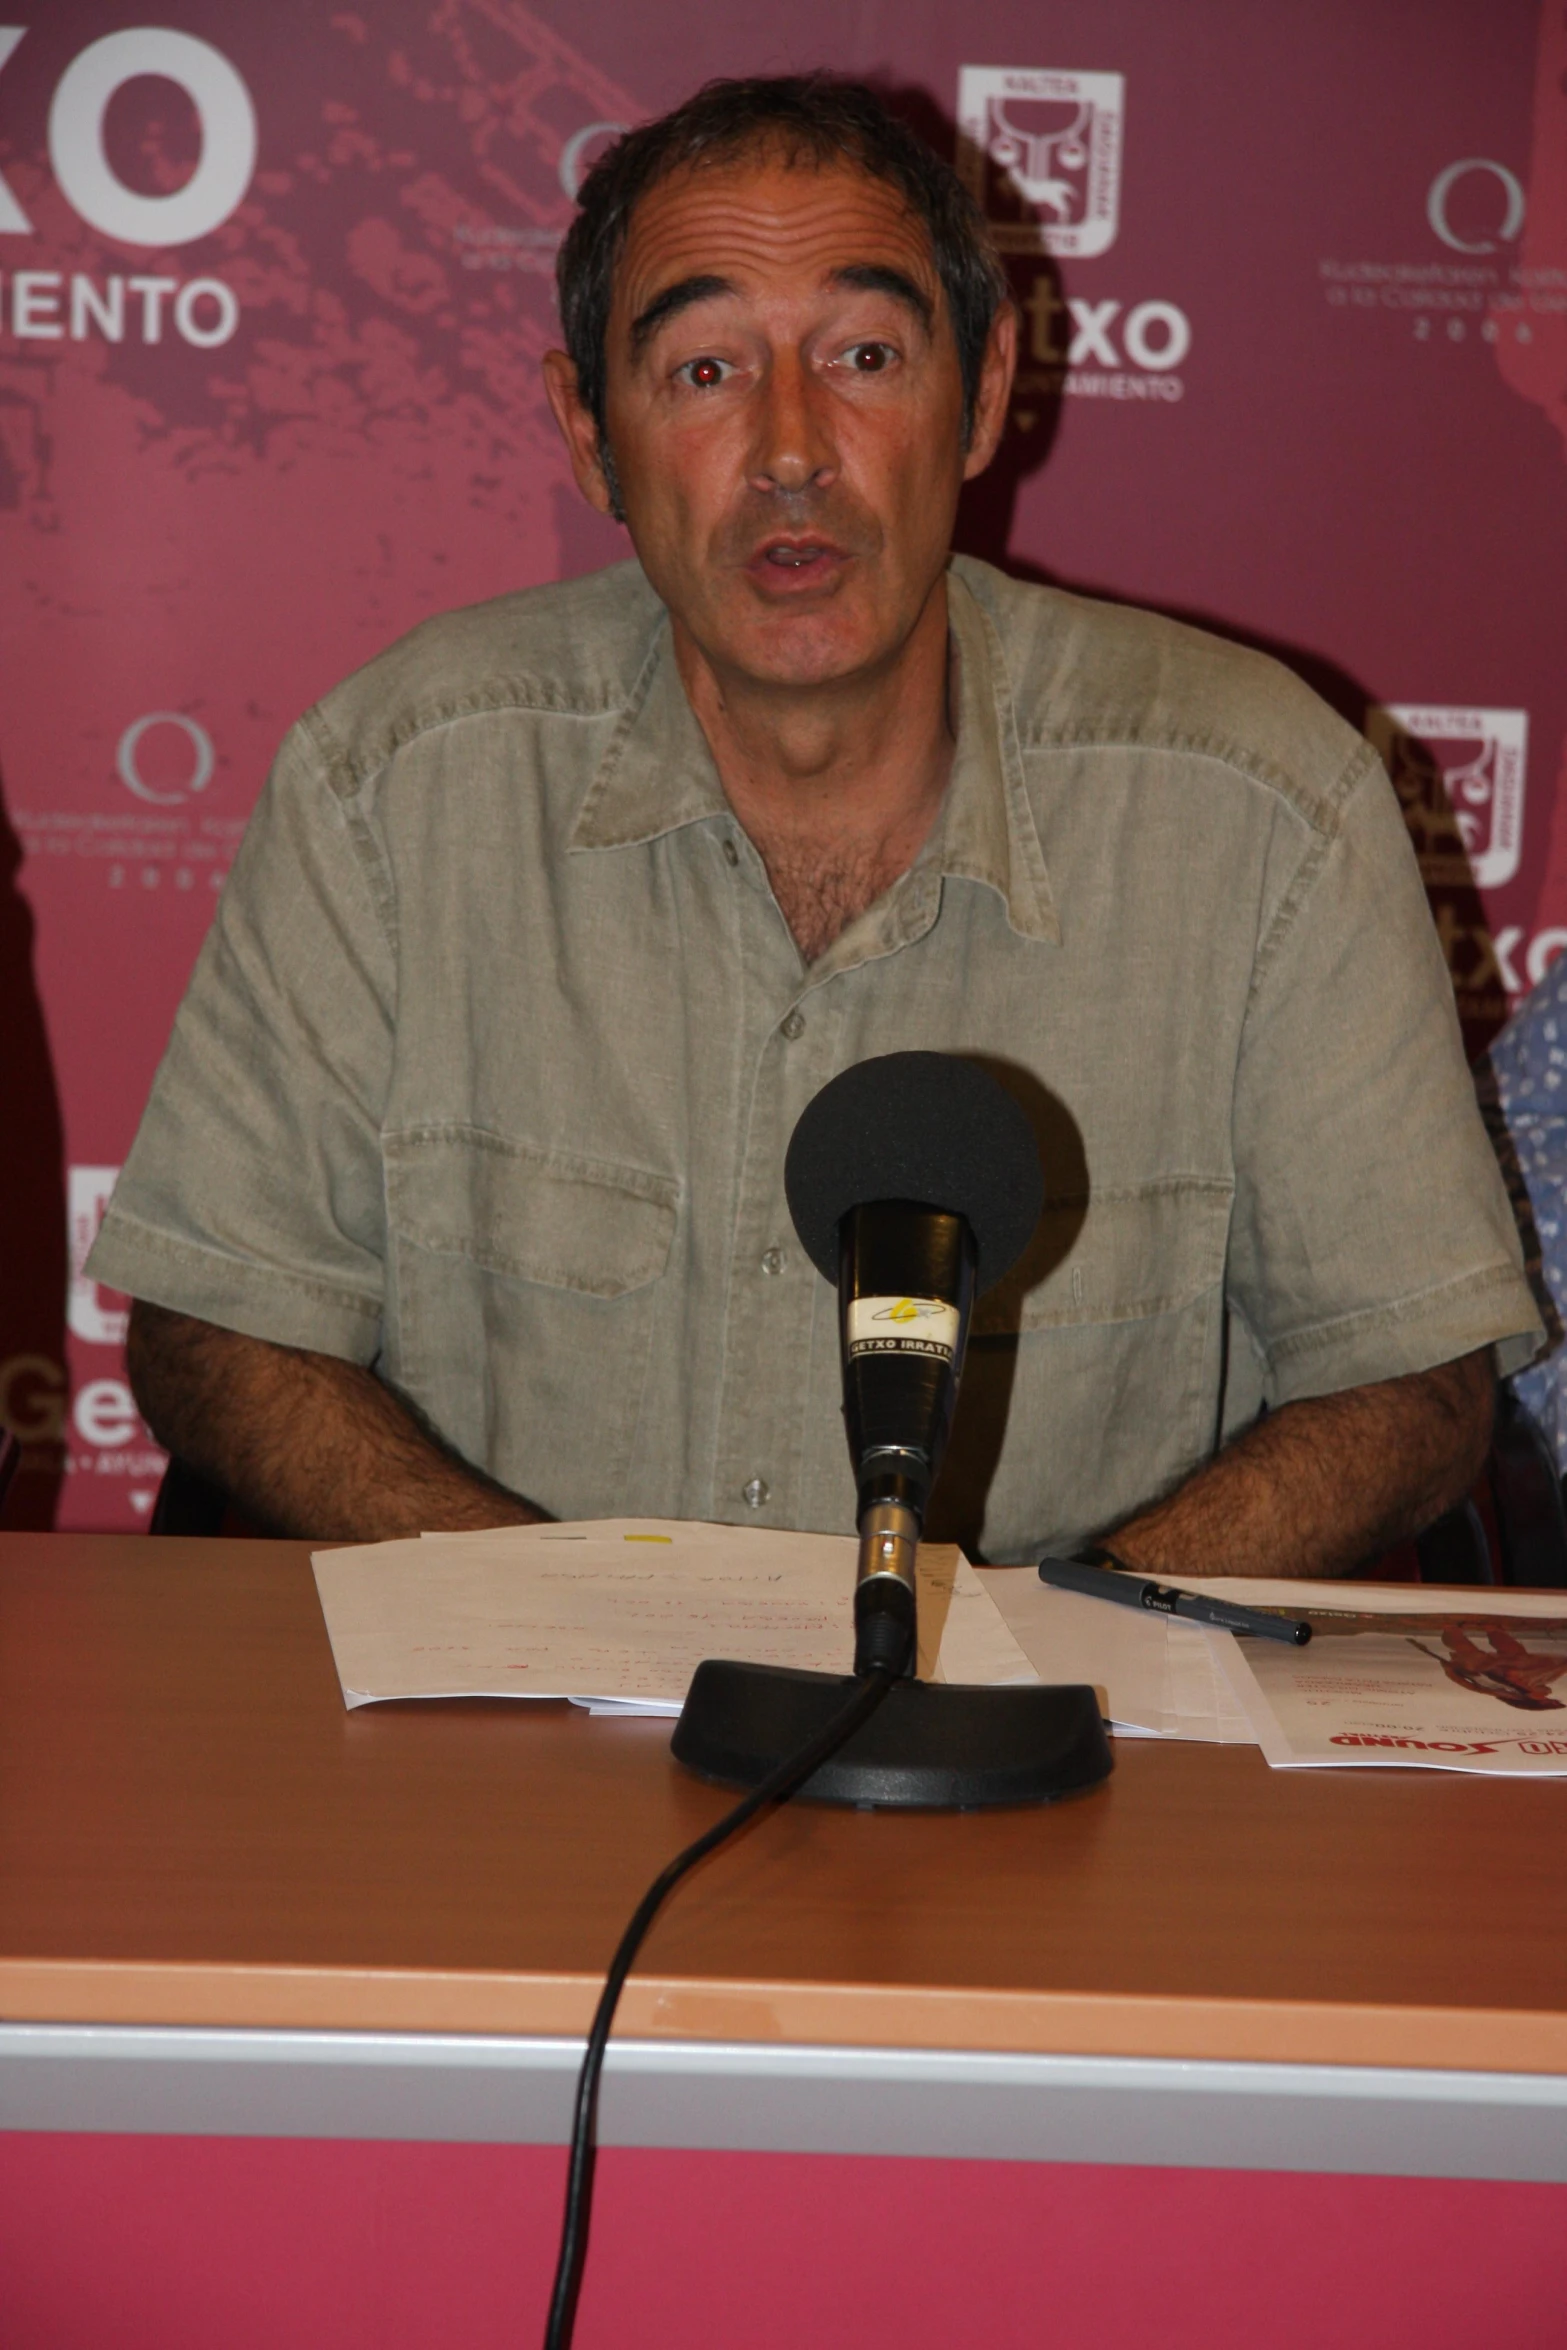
(793, 447)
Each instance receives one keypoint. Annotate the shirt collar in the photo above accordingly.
(986, 830)
(657, 775)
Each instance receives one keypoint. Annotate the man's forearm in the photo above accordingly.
(304, 1443)
(1321, 1486)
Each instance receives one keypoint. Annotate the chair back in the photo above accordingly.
(187, 1503)
(1523, 1489)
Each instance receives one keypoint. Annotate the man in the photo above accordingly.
(459, 1198)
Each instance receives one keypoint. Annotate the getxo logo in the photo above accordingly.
(76, 149)
(127, 766)
(1439, 196)
(1040, 151)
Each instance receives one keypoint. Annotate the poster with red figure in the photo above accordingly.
(1411, 1678)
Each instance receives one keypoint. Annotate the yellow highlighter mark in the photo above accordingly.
(647, 1538)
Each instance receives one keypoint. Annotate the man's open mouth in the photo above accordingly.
(797, 559)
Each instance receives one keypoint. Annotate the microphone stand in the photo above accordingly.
(886, 1596)
(930, 1745)
(934, 1745)
(907, 1276)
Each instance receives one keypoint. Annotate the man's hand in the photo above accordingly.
(304, 1443)
(1321, 1486)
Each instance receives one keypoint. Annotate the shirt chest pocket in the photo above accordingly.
(527, 1289)
(1124, 1255)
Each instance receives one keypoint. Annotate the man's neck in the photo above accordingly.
(839, 785)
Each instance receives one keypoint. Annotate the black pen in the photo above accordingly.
(1129, 1588)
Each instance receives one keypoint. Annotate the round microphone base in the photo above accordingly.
(930, 1745)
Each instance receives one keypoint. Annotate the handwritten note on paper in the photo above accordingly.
(618, 1613)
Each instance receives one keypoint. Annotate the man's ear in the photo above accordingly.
(997, 369)
(578, 431)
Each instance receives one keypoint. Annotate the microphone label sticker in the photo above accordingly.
(902, 1326)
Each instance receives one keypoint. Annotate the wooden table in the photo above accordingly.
(231, 1911)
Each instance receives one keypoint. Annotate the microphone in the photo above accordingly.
(914, 1184)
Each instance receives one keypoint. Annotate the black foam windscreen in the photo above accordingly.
(926, 1127)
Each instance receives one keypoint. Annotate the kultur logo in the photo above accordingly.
(1506, 212)
(129, 759)
(1459, 774)
(1041, 152)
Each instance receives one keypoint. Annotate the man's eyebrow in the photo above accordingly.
(669, 303)
(877, 277)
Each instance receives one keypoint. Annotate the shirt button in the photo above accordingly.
(731, 853)
(772, 1260)
(754, 1494)
(793, 1024)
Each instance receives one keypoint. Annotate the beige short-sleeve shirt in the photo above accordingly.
(488, 1066)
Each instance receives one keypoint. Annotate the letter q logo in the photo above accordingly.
(76, 149)
(1439, 194)
(127, 765)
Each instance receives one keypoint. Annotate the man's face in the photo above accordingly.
(785, 415)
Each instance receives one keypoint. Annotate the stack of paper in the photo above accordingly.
(1155, 1678)
(617, 1614)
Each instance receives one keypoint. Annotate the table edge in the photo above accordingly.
(738, 2097)
(825, 2014)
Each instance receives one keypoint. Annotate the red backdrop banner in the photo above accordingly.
(274, 286)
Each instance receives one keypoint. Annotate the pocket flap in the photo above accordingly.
(1120, 1255)
(532, 1215)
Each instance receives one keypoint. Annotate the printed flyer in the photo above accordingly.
(1409, 1676)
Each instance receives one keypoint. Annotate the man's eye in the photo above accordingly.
(704, 375)
(870, 358)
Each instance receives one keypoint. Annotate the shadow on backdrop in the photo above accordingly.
(989, 503)
(33, 1250)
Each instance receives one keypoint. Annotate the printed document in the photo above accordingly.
(616, 1614)
(1408, 1675)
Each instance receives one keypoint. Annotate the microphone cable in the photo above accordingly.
(777, 1787)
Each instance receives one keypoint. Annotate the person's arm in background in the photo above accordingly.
(303, 1443)
(1327, 1483)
